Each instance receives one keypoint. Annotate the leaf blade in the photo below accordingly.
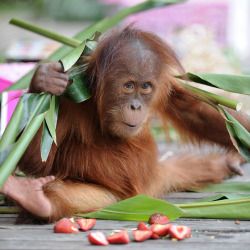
(138, 208)
(232, 83)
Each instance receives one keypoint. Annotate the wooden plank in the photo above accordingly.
(79, 241)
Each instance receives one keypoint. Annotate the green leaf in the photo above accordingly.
(227, 187)
(242, 133)
(223, 207)
(232, 83)
(138, 208)
(49, 127)
(34, 105)
(238, 134)
(50, 118)
(46, 142)
(237, 143)
(72, 57)
(78, 91)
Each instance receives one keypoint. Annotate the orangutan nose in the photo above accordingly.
(135, 104)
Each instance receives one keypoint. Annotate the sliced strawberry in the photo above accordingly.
(155, 236)
(141, 235)
(65, 226)
(158, 219)
(179, 232)
(160, 230)
(86, 224)
(119, 238)
(98, 238)
(142, 226)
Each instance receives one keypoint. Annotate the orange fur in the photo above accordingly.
(95, 168)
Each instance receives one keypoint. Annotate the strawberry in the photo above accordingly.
(158, 219)
(66, 226)
(155, 236)
(179, 232)
(142, 226)
(86, 224)
(98, 238)
(159, 229)
(141, 235)
(119, 238)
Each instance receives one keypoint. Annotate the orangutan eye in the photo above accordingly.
(129, 85)
(146, 85)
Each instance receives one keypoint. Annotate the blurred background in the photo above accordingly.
(209, 36)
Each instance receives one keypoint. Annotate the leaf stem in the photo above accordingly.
(44, 32)
(230, 103)
(214, 203)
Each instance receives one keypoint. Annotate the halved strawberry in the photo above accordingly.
(155, 236)
(179, 232)
(160, 230)
(119, 238)
(142, 226)
(158, 219)
(65, 226)
(98, 238)
(86, 224)
(141, 235)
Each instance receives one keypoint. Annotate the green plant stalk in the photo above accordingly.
(87, 33)
(19, 148)
(205, 204)
(44, 32)
(227, 102)
(11, 131)
(4, 210)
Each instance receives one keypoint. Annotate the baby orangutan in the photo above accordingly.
(105, 151)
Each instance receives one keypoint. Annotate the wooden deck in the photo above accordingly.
(206, 233)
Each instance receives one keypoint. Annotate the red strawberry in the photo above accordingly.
(119, 238)
(141, 235)
(179, 232)
(155, 236)
(142, 226)
(86, 224)
(66, 226)
(158, 219)
(98, 238)
(160, 230)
